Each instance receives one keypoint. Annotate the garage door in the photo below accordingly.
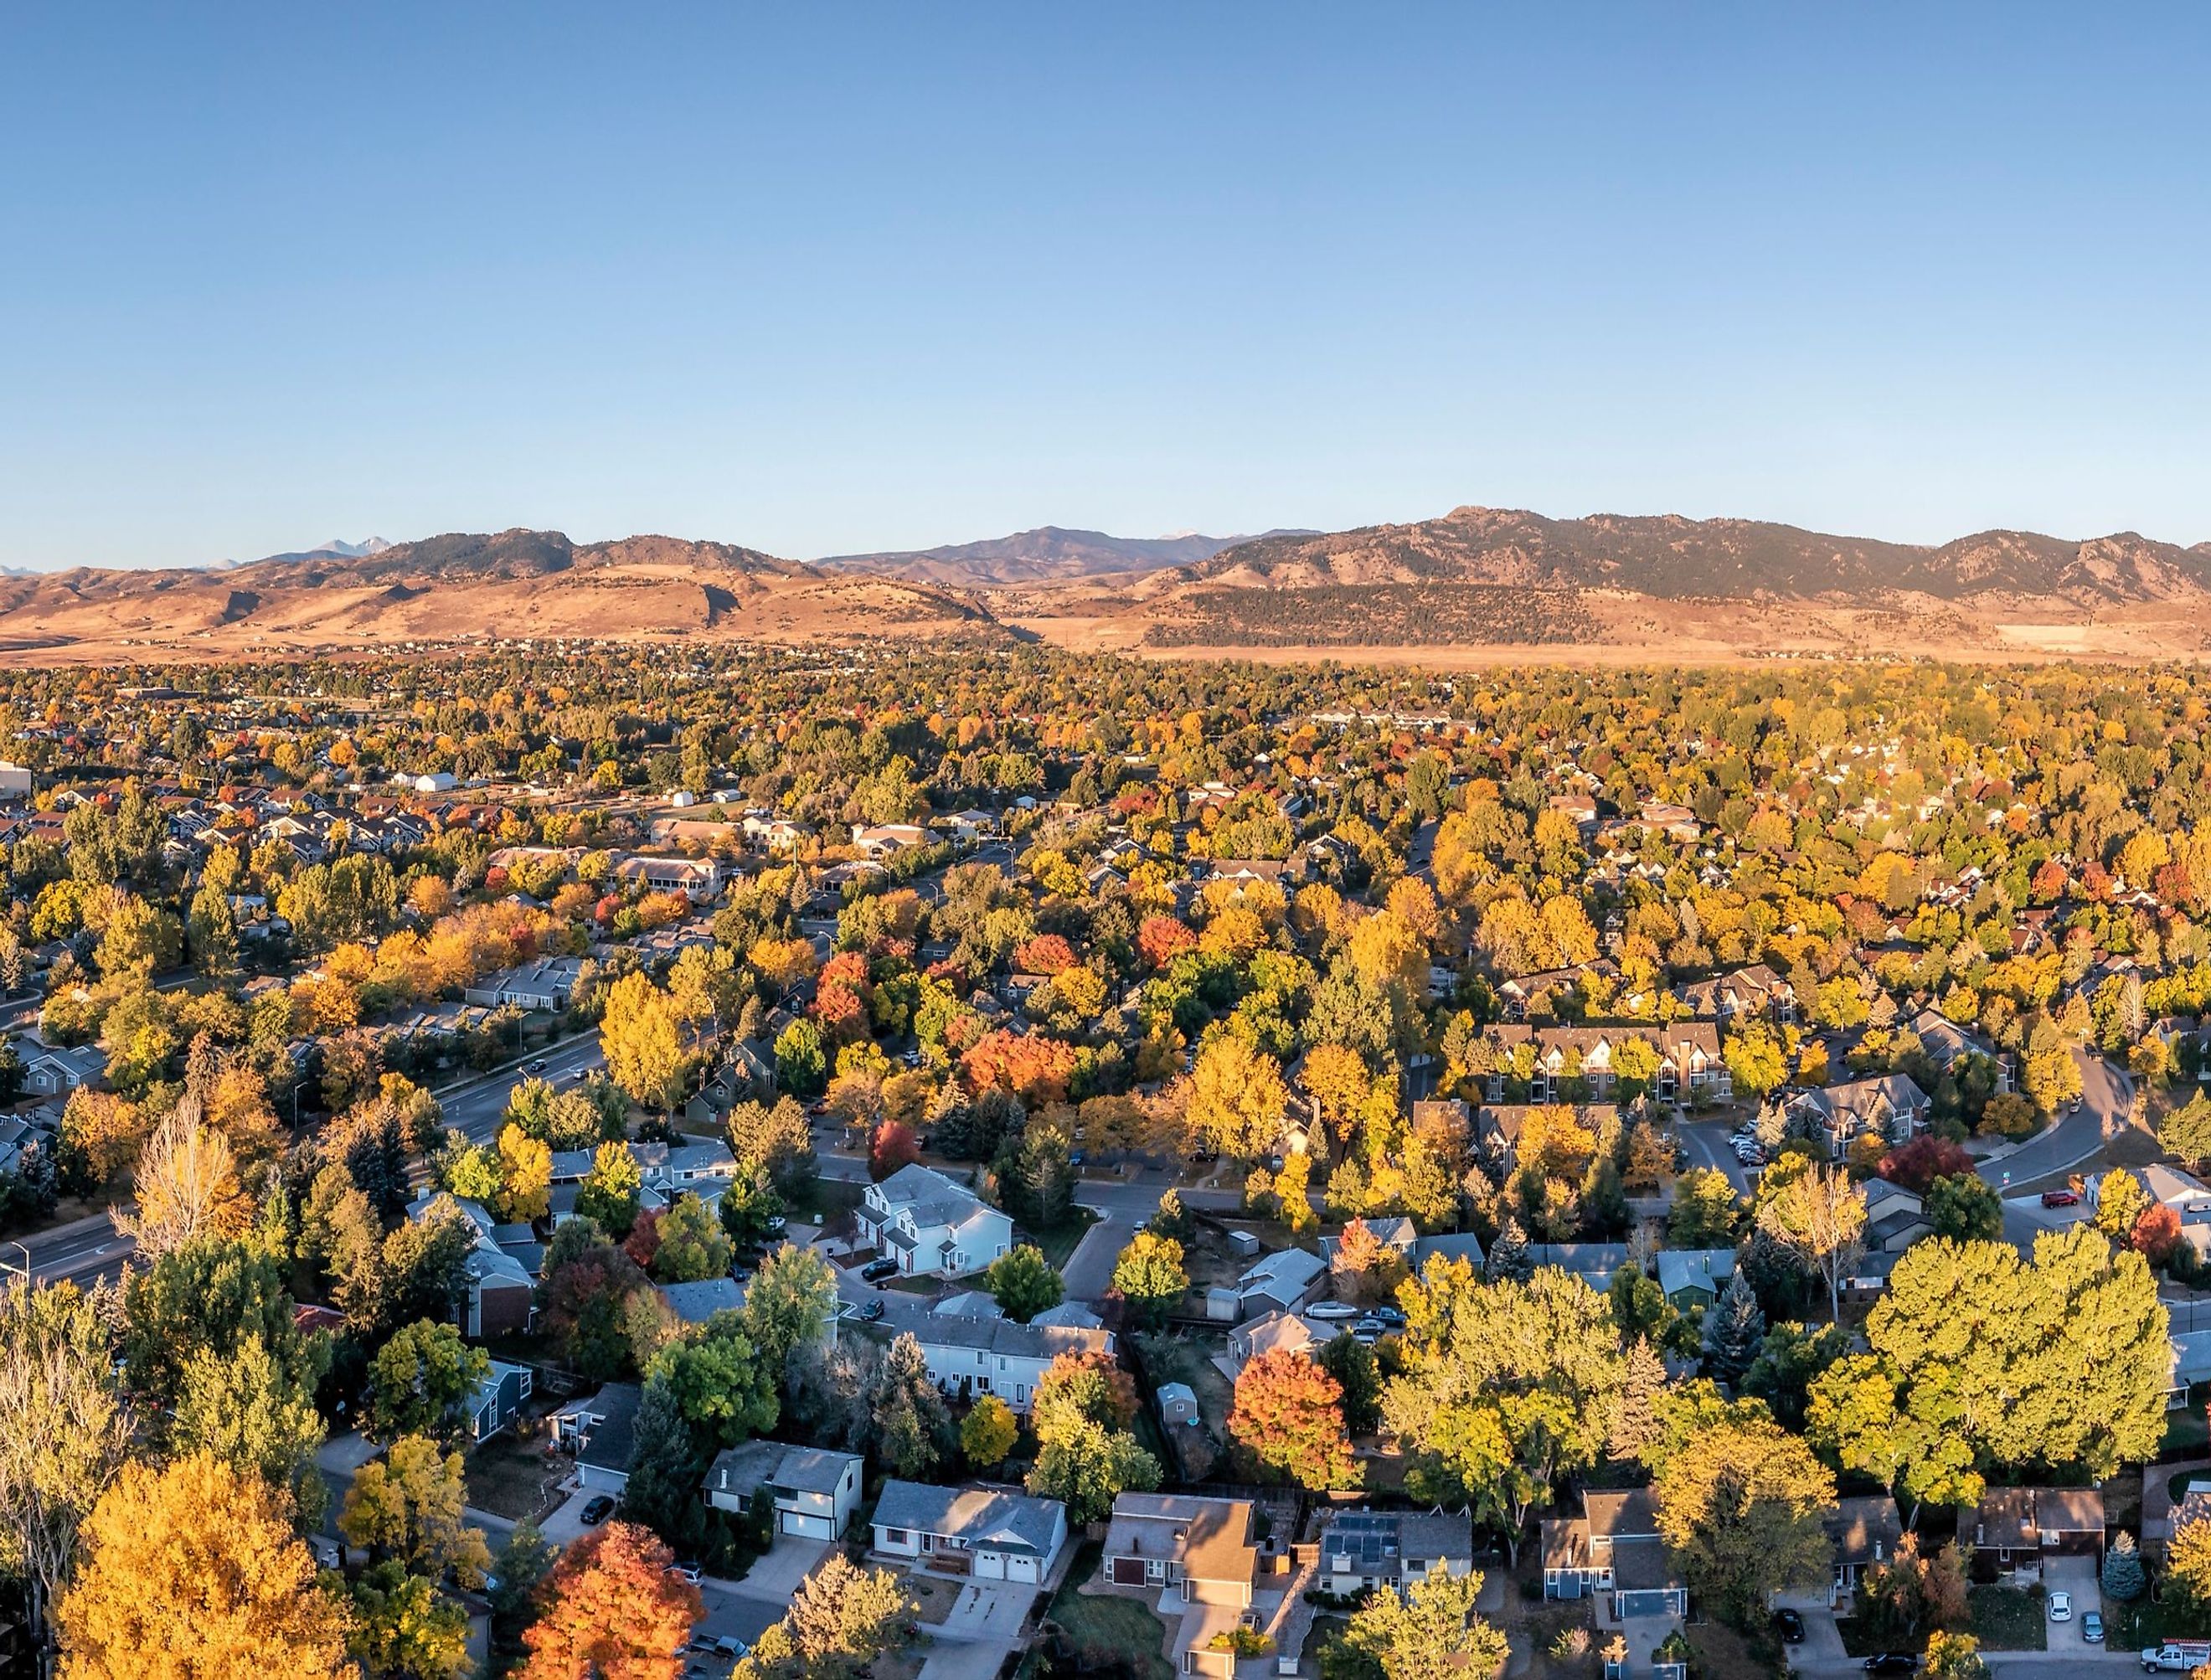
(811, 1528)
(991, 1566)
(1021, 1568)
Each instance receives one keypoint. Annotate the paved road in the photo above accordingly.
(1122, 1205)
(2106, 1096)
(476, 1107)
(1706, 1142)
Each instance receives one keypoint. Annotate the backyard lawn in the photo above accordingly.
(1058, 1240)
(1107, 1630)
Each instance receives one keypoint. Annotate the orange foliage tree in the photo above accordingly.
(610, 1607)
(1035, 1068)
(1288, 1415)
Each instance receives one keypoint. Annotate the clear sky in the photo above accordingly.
(829, 276)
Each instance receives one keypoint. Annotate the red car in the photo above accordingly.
(2059, 1198)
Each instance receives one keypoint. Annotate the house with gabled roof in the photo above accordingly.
(986, 1532)
(931, 1226)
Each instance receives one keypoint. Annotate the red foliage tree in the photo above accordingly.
(1288, 1415)
(1046, 954)
(643, 1241)
(1919, 1162)
(891, 1147)
(2156, 1234)
(846, 968)
(841, 1016)
(610, 1607)
(1159, 938)
(2049, 883)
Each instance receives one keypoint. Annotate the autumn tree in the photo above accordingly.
(1741, 1509)
(186, 1186)
(420, 1382)
(1369, 1269)
(1150, 1274)
(841, 1618)
(408, 1505)
(1506, 1386)
(404, 1626)
(164, 1590)
(611, 1191)
(1237, 1097)
(1818, 1214)
(642, 1037)
(613, 1606)
(988, 1433)
(1289, 1414)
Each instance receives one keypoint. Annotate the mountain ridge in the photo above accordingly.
(1044, 554)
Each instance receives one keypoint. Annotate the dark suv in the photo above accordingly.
(875, 1271)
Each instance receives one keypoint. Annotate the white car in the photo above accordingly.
(2061, 1607)
(1332, 1309)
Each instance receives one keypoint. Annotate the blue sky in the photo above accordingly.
(826, 277)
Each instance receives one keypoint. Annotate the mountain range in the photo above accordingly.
(1046, 555)
(1473, 585)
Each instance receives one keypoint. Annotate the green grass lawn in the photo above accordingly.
(2185, 1432)
(1107, 1630)
(2137, 1626)
(1058, 1240)
(2009, 1618)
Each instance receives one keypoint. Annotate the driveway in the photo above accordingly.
(985, 1609)
(774, 1578)
(966, 1660)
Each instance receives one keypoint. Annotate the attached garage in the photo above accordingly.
(977, 1531)
(989, 1566)
(806, 1527)
(1024, 1568)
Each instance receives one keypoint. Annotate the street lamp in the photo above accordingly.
(26, 1267)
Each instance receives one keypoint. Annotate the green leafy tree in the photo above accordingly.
(662, 1490)
(255, 1411)
(611, 1191)
(721, 1380)
(790, 1305)
(1964, 1207)
(1087, 1467)
(1428, 1631)
(692, 1244)
(1357, 1372)
(800, 1066)
(1150, 1274)
(411, 1505)
(1506, 1388)
(1023, 1284)
(1705, 1211)
(914, 1428)
(403, 1628)
(420, 1382)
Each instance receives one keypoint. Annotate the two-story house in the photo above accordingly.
(1892, 1108)
(1201, 1549)
(1741, 994)
(969, 1356)
(1361, 1550)
(812, 1491)
(931, 1226)
(1687, 1056)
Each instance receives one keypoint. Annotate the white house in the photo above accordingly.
(546, 983)
(1287, 1279)
(813, 1490)
(969, 1356)
(931, 1226)
(977, 1531)
(697, 878)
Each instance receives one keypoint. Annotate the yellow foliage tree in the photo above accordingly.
(194, 1573)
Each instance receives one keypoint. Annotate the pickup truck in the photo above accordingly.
(2177, 1656)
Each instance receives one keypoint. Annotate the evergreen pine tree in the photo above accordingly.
(2123, 1578)
(1635, 1422)
(664, 1481)
(1733, 1331)
(1509, 1255)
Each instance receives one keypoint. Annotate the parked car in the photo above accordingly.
(1892, 1662)
(2091, 1627)
(2060, 1199)
(2061, 1607)
(1327, 1310)
(1389, 1316)
(597, 1511)
(875, 1271)
(1790, 1625)
(869, 1311)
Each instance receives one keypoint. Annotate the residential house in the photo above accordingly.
(812, 1491)
(1694, 1276)
(58, 1070)
(1612, 1550)
(500, 1299)
(1594, 1262)
(695, 1303)
(1274, 1332)
(2018, 1527)
(698, 879)
(1892, 1108)
(1895, 1218)
(1285, 1279)
(888, 839)
(931, 1226)
(1948, 1044)
(545, 985)
(1551, 1060)
(2190, 1368)
(1462, 1245)
(969, 1356)
(1866, 1530)
(984, 1532)
(1202, 1549)
(1741, 993)
(1361, 1550)
(600, 1431)
(498, 1399)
